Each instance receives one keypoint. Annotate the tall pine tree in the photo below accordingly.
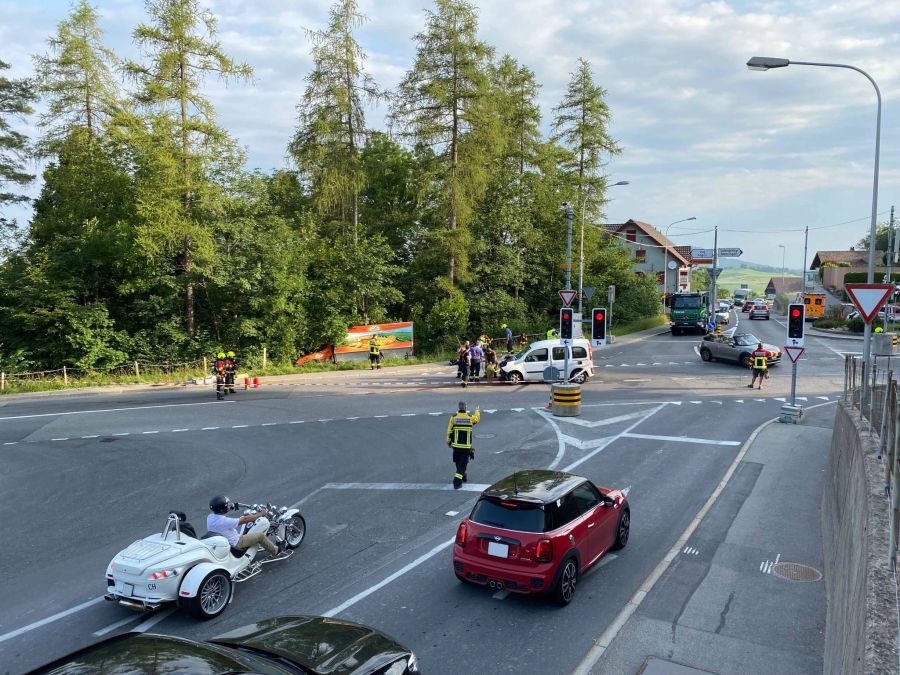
(16, 97)
(182, 51)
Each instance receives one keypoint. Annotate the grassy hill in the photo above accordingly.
(733, 278)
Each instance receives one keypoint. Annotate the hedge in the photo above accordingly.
(862, 277)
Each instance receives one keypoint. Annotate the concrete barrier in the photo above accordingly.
(861, 627)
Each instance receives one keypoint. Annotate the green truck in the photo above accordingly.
(690, 312)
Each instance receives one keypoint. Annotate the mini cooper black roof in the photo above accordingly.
(537, 485)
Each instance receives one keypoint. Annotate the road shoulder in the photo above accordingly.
(721, 606)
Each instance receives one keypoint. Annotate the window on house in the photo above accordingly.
(640, 254)
(631, 235)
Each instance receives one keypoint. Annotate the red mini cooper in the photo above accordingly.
(536, 531)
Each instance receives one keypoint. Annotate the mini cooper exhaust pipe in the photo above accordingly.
(495, 585)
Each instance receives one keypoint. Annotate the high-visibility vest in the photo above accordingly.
(759, 360)
(459, 431)
(373, 348)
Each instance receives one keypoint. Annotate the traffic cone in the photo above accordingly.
(256, 381)
(246, 382)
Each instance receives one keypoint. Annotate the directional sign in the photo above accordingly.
(567, 297)
(794, 353)
(868, 298)
(730, 253)
(588, 292)
(702, 253)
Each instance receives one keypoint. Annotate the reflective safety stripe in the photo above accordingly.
(759, 362)
(458, 475)
(462, 438)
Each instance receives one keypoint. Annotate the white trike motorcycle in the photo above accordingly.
(197, 573)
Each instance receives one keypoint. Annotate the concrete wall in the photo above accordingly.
(861, 626)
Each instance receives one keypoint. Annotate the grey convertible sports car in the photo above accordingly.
(737, 348)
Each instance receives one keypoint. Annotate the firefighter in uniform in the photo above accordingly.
(230, 370)
(374, 354)
(219, 371)
(459, 438)
(759, 363)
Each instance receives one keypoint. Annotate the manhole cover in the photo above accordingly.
(796, 572)
(485, 435)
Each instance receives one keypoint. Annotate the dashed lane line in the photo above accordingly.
(106, 410)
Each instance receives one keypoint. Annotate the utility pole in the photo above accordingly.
(892, 239)
(712, 294)
(805, 242)
(570, 217)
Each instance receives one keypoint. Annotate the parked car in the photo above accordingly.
(736, 348)
(284, 644)
(760, 311)
(537, 531)
(529, 365)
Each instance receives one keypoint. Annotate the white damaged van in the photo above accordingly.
(529, 365)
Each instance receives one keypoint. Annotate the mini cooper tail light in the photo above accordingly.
(461, 534)
(163, 574)
(109, 571)
(544, 551)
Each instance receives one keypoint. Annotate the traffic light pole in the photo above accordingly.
(794, 384)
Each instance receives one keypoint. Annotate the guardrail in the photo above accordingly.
(63, 375)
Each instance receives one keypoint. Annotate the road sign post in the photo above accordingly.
(791, 412)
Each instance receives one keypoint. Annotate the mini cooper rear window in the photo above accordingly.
(509, 515)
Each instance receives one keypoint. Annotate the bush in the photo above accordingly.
(862, 277)
(637, 300)
(829, 323)
(844, 263)
(856, 325)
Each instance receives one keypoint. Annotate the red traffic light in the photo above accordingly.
(795, 312)
(599, 316)
(566, 315)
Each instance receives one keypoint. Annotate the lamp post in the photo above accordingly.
(581, 255)
(767, 63)
(666, 262)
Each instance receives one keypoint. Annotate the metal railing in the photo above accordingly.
(65, 374)
(881, 410)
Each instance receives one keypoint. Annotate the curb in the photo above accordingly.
(835, 335)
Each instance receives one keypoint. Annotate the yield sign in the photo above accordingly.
(794, 353)
(869, 297)
(568, 297)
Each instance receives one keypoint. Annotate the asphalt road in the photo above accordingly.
(363, 455)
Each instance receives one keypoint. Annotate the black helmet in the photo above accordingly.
(220, 504)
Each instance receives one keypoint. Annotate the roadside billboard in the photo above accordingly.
(395, 339)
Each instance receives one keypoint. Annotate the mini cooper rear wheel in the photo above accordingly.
(705, 354)
(295, 531)
(623, 529)
(212, 596)
(568, 579)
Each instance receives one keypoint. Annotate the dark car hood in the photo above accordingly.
(322, 645)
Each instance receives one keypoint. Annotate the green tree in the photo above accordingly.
(181, 49)
(581, 125)
(700, 279)
(442, 104)
(16, 97)
(76, 78)
(332, 125)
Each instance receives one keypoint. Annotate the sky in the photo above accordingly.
(761, 155)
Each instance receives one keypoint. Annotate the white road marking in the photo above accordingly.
(801, 398)
(93, 436)
(50, 619)
(175, 431)
(696, 402)
(153, 620)
(680, 439)
(59, 439)
(351, 418)
(127, 433)
(239, 426)
(598, 423)
(297, 422)
(408, 415)
(149, 432)
(377, 417)
(11, 443)
(452, 513)
(208, 428)
(268, 424)
(434, 414)
(783, 400)
(329, 419)
(103, 410)
(636, 380)
(824, 398)
(384, 582)
(491, 411)
(466, 487)
(517, 409)
(588, 456)
(118, 624)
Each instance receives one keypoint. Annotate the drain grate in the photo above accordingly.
(796, 572)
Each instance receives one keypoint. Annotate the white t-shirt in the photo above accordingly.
(225, 526)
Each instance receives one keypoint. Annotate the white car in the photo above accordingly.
(529, 365)
(197, 573)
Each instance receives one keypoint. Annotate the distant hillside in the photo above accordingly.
(757, 280)
(737, 263)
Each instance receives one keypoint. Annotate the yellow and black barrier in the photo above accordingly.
(566, 400)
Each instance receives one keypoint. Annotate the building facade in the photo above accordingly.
(654, 254)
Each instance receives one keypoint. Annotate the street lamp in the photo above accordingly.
(666, 262)
(767, 63)
(581, 256)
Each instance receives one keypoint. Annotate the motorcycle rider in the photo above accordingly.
(220, 523)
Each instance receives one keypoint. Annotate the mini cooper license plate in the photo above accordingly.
(128, 589)
(499, 550)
